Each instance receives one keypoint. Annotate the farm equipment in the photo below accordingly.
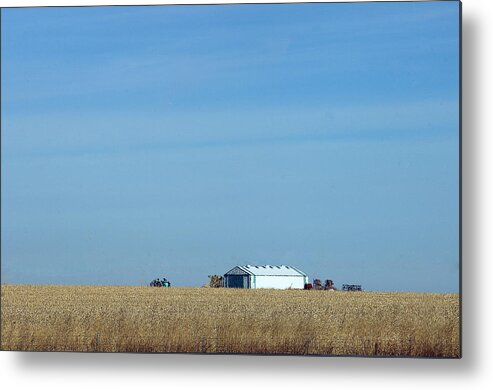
(317, 285)
(329, 285)
(351, 287)
(160, 283)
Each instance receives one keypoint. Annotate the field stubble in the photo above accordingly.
(205, 320)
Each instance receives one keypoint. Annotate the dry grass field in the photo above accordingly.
(205, 320)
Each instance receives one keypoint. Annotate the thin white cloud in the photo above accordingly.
(232, 127)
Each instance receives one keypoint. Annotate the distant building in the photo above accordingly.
(265, 276)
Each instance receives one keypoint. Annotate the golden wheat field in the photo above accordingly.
(206, 320)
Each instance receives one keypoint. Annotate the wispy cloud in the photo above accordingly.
(233, 128)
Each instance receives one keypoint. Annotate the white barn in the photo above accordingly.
(265, 276)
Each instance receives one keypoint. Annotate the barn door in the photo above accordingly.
(236, 281)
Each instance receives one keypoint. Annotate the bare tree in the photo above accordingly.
(215, 281)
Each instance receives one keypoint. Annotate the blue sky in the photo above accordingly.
(180, 141)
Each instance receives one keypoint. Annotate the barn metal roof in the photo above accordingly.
(272, 270)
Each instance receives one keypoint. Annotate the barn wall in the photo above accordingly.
(279, 281)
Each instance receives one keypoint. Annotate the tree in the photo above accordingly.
(215, 281)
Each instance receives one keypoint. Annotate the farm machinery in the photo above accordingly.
(329, 285)
(351, 287)
(317, 285)
(160, 283)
